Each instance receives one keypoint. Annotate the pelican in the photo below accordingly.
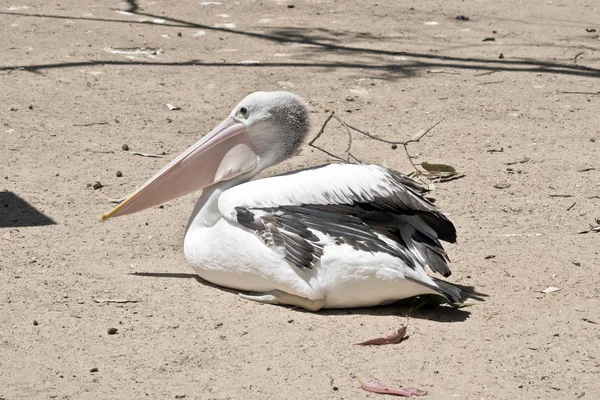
(333, 236)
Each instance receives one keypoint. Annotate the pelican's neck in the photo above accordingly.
(206, 211)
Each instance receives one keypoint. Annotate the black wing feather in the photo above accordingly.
(357, 222)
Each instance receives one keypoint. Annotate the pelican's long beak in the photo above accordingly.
(226, 152)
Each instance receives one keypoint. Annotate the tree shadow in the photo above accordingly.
(16, 212)
(321, 40)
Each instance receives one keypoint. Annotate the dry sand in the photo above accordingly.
(78, 81)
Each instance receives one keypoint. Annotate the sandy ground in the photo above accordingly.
(79, 81)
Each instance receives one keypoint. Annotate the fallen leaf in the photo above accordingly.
(524, 160)
(550, 289)
(395, 338)
(120, 301)
(137, 153)
(438, 167)
(377, 388)
(172, 107)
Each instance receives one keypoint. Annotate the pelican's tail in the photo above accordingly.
(450, 291)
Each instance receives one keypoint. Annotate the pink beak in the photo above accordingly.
(226, 152)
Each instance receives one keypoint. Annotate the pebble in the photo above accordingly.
(97, 185)
(125, 147)
(112, 331)
(35, 323)
(119, 174)
(462, 18)
(501, 55)
(394, 146)
(95, 369)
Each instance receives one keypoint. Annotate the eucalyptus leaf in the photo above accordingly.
(438, 167)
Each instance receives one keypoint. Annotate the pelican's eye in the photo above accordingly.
(243, 112)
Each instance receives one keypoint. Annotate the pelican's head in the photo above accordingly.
(276, 122)
(264, 129)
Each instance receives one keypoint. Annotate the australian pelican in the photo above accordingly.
(334, 236)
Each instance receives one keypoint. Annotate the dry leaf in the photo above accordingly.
(395, 338)
(550, 289)
(433, 168)
(524, 160)
(137, 153)
(377, 388)
(120, 301)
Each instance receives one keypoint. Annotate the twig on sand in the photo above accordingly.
(433, 172)
(580, 54)
(137, 153)
(92, 124)
(488, 73)
(348, 128)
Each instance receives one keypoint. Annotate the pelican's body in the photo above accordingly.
(329, 237)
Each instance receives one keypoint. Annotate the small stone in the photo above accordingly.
(112, 331)
(119, 174)
(13, 109)
(291, 6)
(290, 321)
(335, 388)
(489, 39)
(179, 34)
(462, 18)
(349, 98)
(125, 147)
(30, 107)
(180, 396)
(95, 369)
(394, 146)
(97, 185)
(502, 185)
(501, 56)
(35, 323)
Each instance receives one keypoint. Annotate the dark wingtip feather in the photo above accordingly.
(450, 291)
(442, 226)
